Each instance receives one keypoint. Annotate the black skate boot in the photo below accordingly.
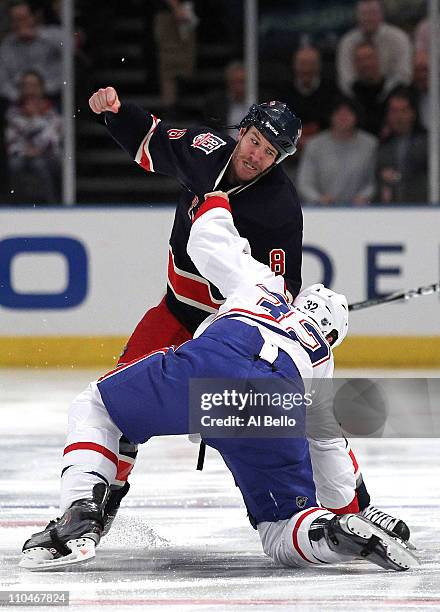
(71, 539)
(114, 501)
(127, 452)
(386, 521)
(354, 537)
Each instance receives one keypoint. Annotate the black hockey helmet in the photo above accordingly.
(277, 123)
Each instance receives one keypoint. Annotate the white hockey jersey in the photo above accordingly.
(254, 294)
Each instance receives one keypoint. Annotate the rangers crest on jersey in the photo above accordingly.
(175, 134)
(207, 142)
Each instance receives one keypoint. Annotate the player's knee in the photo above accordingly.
(88, 410)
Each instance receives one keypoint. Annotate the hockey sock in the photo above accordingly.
(126, 460)
(289, 542)
(91, 451)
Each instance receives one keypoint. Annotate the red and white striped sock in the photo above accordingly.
(288, 542)
(91, 451)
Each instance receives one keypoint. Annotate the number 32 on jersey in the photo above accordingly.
(315, 345)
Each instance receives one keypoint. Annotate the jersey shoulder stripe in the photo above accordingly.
(143, 155)
(191, 289)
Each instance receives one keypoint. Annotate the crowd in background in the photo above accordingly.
(364, 106)
(31, 101)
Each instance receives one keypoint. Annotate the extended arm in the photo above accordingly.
(127, 123)
(152, 143)
(221, 255)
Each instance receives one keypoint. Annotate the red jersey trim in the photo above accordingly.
(120, 368)
(210, 203)
(249, 312)
(191, 289)
(351, 508)
(143, 156)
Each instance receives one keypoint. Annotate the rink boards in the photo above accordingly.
(74, 282)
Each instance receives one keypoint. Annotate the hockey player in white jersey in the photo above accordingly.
(256, 334)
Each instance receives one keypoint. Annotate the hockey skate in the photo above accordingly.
(354, 536)
(387, 522)
(117, 494)
(69, 540)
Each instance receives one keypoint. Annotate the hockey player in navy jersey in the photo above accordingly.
(264, 202)
(265, 210)
(256, 334)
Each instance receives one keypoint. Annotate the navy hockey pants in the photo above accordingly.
(150, 397)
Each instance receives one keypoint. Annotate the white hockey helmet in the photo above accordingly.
(328, 309)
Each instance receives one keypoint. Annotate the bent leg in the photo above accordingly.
(316, 537)
(288, 542)
(91, 452)
(273, 475)
(140, 400)
(157, 328)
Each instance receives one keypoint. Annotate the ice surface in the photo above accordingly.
(182, 540)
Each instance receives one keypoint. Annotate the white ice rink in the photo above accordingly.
(182, 540)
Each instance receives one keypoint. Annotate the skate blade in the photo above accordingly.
(398, 552)
(38, 559)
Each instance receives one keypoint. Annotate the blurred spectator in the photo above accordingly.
(52, 30)
(228, 106)
(338, 165)
(4, 182)
(27, 48)
(33, 135)
(402, 157)
(420, 87)
(3, 20)
(422, 35)
(48, 11)
(175, 34)
(393, 46)
(371, 88)
(308, 94)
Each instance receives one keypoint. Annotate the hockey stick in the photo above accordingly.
(396, 297)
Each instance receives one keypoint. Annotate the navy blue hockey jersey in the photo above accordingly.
(266, 212)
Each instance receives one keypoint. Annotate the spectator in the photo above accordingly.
(309, 94)
(228, 106)
(402, 157)
(371, 88)
(33, 134)
(337, 165)
(52, 29)
(3, 20)
(26, 48)
(175, 33)
(420, 87)
(422, 35)
(4, 182)
(392, 44)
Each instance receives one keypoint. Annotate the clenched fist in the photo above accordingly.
(219, 194)
(105, 100)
